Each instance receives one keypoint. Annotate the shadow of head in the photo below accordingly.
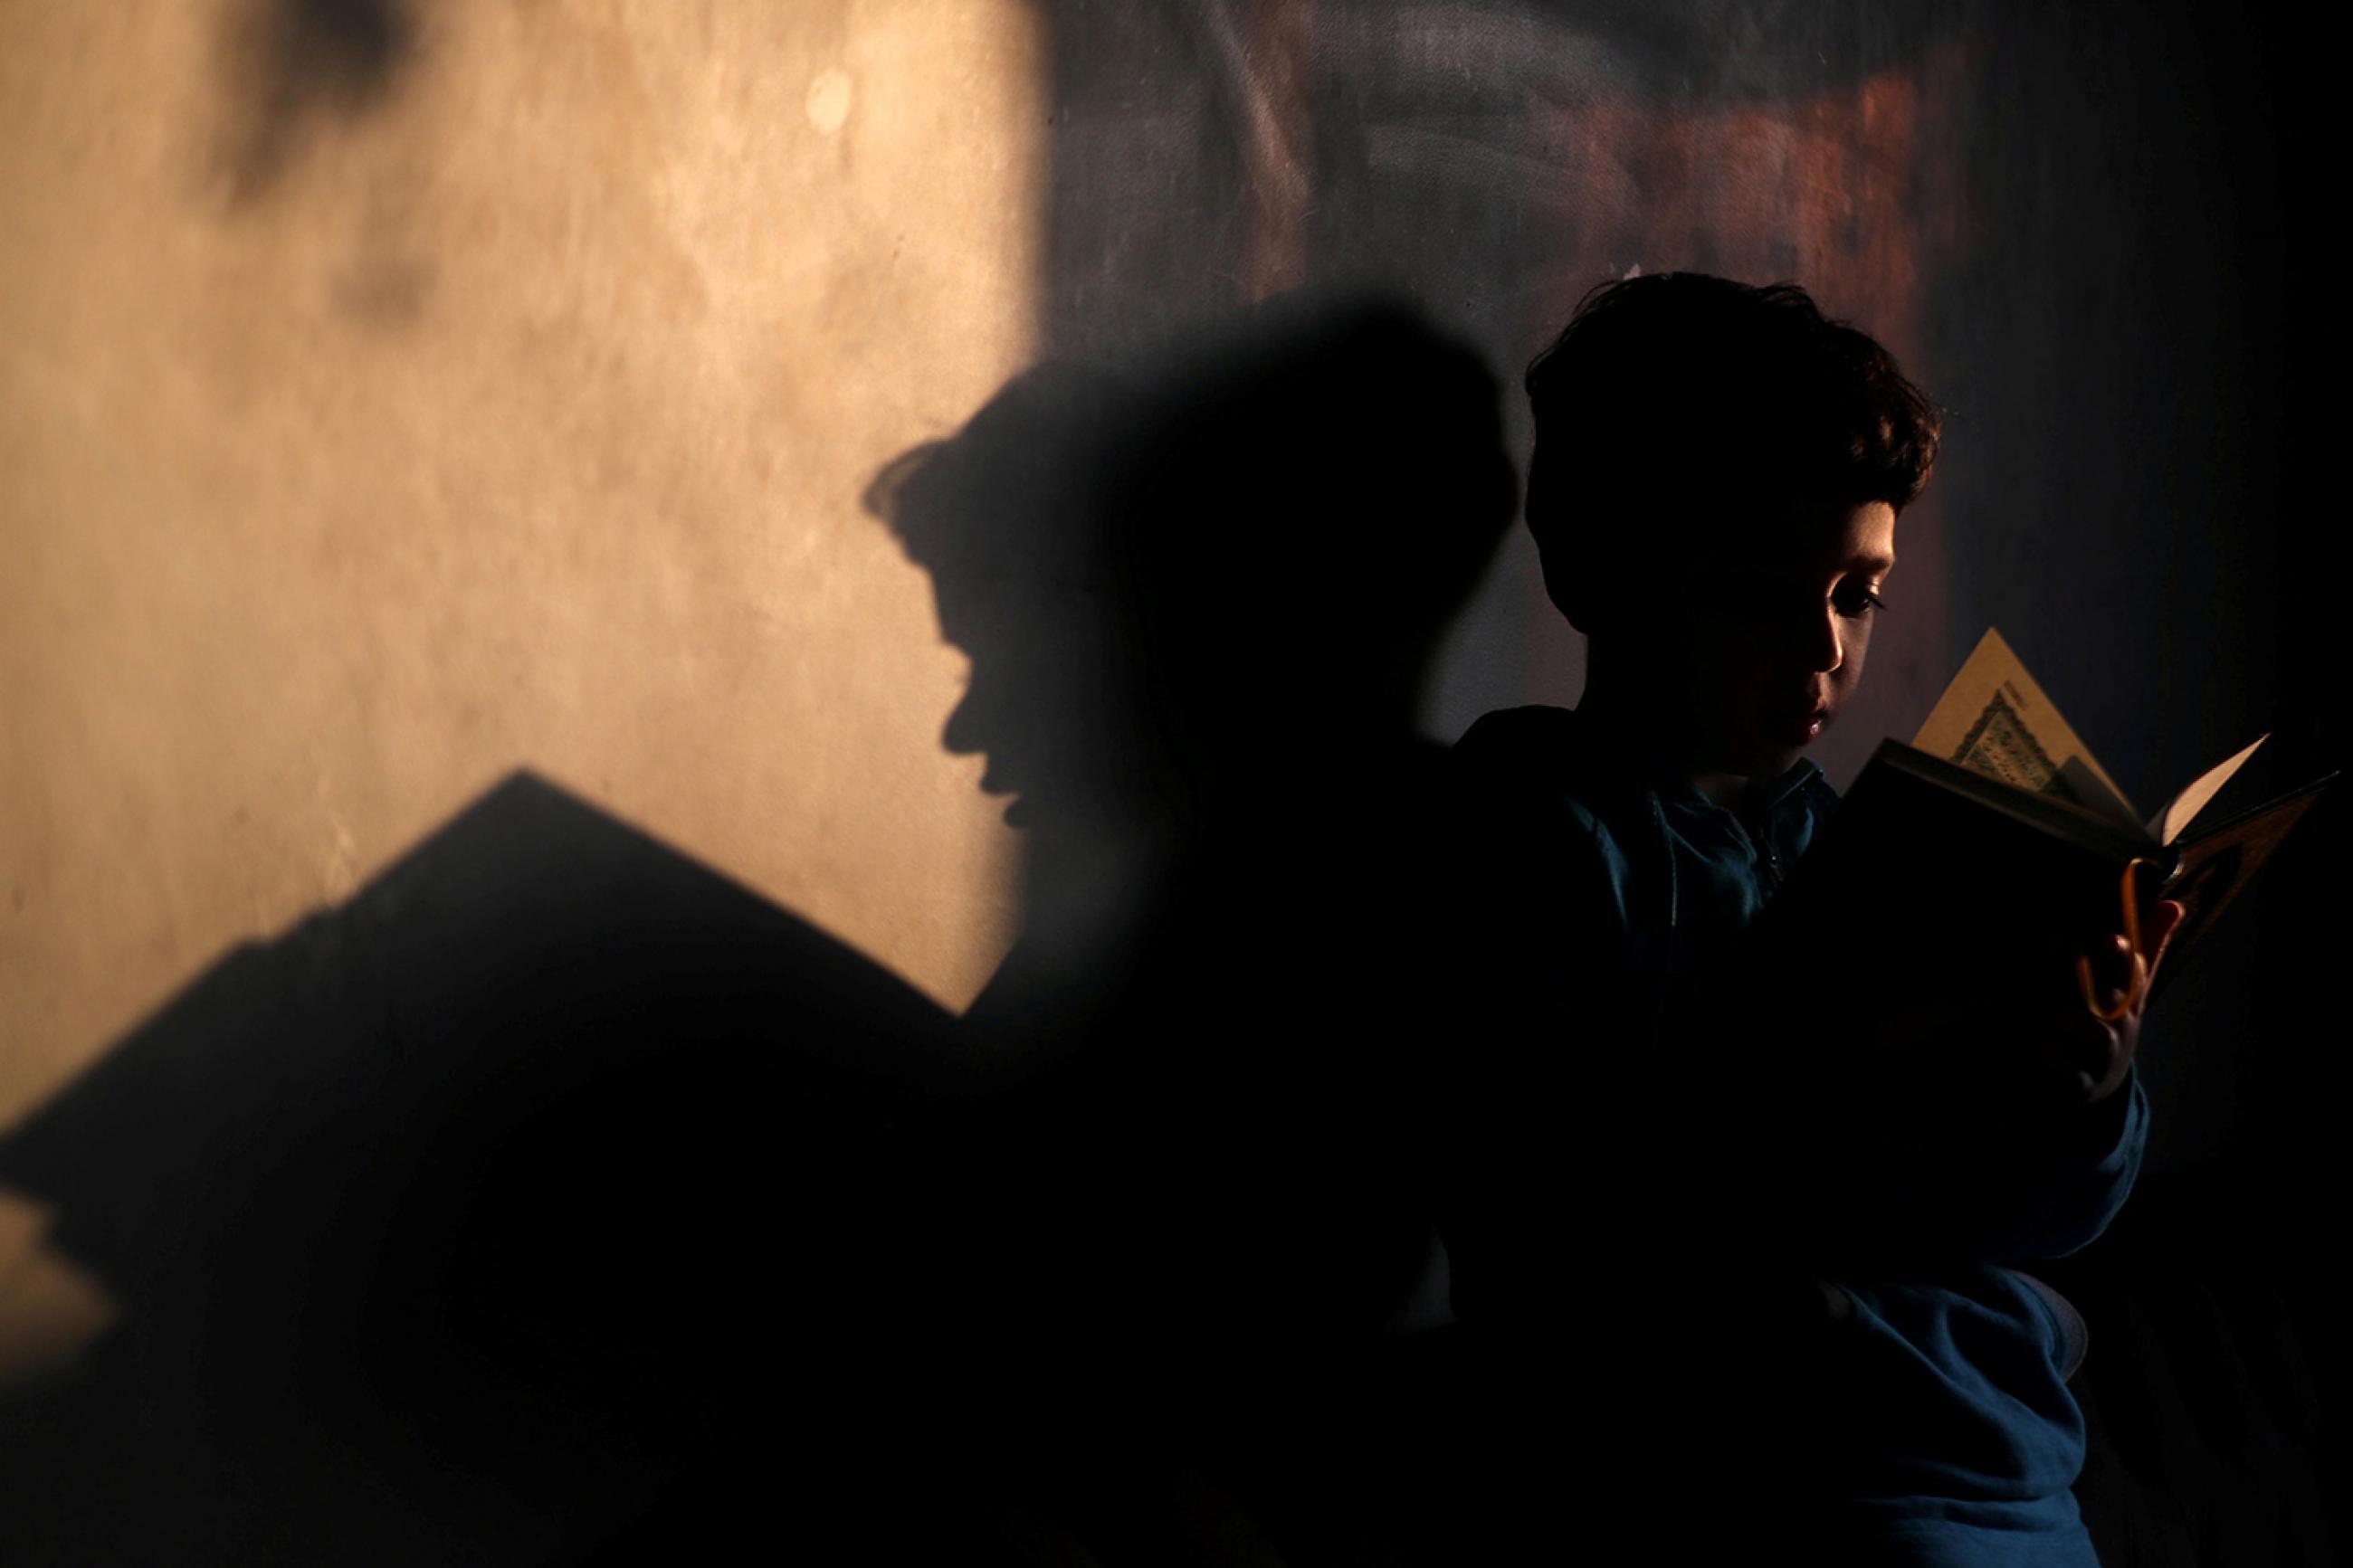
(1229, 554)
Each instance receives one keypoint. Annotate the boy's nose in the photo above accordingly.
(1826, 645)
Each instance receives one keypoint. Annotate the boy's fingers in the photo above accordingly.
(2168, 920)
(2110, 964)
(2092, 1055)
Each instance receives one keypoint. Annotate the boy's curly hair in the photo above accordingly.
(1687, 400)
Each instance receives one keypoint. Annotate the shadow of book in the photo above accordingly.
(460, 1222)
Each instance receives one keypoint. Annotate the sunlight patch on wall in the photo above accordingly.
(366, 447)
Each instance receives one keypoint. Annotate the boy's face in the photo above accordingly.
(1773, 634)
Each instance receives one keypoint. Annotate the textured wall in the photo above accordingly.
(395, 395)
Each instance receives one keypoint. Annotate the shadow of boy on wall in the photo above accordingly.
(1197, 653)
(555, 1199)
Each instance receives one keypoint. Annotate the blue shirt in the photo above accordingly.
(1945, 1382)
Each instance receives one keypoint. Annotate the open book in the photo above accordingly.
(2014, 804)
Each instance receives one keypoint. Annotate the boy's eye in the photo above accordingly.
(1854, 601)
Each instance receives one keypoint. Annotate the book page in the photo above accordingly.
(2214, 867)
(1995, 720)
(2168, 823)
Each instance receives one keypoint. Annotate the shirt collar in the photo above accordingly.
(1782, 785)
(1770, 794)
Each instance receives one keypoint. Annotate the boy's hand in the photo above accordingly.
(2100, 1048)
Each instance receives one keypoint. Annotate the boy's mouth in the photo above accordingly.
(1799, 726)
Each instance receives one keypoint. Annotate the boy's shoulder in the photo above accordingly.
(1522, 748)
(1513, 729)
(1542, 757)
(1537, 774)
(1538, 802)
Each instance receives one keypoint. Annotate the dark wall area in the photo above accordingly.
(2096, 236)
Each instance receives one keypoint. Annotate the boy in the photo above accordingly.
(1706, 1207)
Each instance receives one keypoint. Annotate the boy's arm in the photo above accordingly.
(2069, 1197)
(2095, 1155)
(1544, 1017)
(1998, 1126)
